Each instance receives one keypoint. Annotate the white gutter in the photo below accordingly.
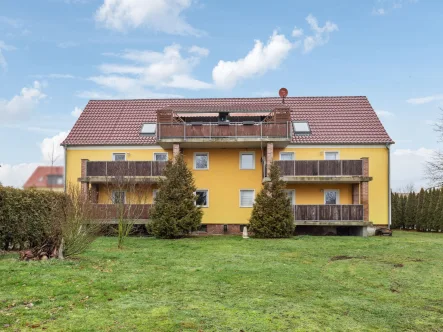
(66, 159)
(388, 146)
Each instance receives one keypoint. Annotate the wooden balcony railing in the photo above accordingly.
(328, 212)
(224, 130)
(114, 211)
(320, 167)
(125, 168)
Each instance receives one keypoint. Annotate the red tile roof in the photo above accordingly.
(39, 179)
(333, 120)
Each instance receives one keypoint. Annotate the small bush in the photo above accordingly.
(272, 214)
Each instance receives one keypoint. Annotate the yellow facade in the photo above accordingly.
(224, 179)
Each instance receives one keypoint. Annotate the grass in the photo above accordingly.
(232, 284)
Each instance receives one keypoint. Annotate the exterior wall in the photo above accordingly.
(313, 193)
(58, 189)
(224, 178)
(378, 169)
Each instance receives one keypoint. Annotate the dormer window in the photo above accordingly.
(148, 129)
(301, 127)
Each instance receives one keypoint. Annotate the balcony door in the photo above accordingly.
(332, 197)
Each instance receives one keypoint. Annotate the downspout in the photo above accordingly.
(389, 185)
(66, 159)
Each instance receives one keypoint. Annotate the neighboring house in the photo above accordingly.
(46, 178)
(333, 153)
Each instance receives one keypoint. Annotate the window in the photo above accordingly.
(287, 156)
(332, 197)
(201, 160)
(118, 197)
(247, 160)
(149, 129)
(331, 155)
(154, 194)
(291, 195)
(301, 127)
(202, 198)
(55, 179)
(119, 156)
(161, 156)
(203, 228)
(247, 198)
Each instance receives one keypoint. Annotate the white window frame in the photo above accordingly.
(338, 196)
(195, 161)
(160, 153)
(253, 159)
(239, 198)
(118, 153)
(293, 195)
(207, 198)
(337, 152)
(287, 152)
(121, 191)
(154, 194)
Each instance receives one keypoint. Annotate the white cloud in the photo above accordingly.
(297, 32)
(379, 11)
(160, 15)
(384, 114)
(149, 69)
(4, 47)
(67, 44)
(76, 112)
(408, 167)
(425, 100)
(321, 34)
(201, 51)
(22, 104)
(51, 149)
(55, 76)
(16, 175)
(258, 61)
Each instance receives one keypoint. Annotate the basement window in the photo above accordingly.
(148, 129)
(301, 128)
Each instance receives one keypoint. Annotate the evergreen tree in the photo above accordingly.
(272, 215)
(174, 213)
(402, 217)
(434, 210)
(395, 210)
(439, 212)
(424, 210)
(411, 210)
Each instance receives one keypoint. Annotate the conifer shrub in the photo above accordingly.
(174, 213)
(272, 215)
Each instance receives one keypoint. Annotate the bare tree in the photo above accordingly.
(128, 194)
(434, 167)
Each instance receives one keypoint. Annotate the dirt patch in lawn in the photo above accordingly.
(342, 258)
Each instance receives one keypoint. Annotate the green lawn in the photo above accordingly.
(232, 284)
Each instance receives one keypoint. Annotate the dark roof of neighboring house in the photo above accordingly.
(39, 179)
(333, 120)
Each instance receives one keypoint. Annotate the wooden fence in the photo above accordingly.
(114, 211)
(320, 167)
(328, 212)
(125, 168)
(223, 130)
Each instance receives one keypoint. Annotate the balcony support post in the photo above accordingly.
(175, 150)
(364, 190)
(269, 157)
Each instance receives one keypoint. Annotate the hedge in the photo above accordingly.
(30, 218)
(422, 211)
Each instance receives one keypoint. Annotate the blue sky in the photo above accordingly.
(57, 54)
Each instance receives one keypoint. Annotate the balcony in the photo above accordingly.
(224, 132)
(321, 171)
(138, 171)
(320, 215)
(110, 213)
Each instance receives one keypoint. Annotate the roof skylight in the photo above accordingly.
(148, 129)
(301, 127)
